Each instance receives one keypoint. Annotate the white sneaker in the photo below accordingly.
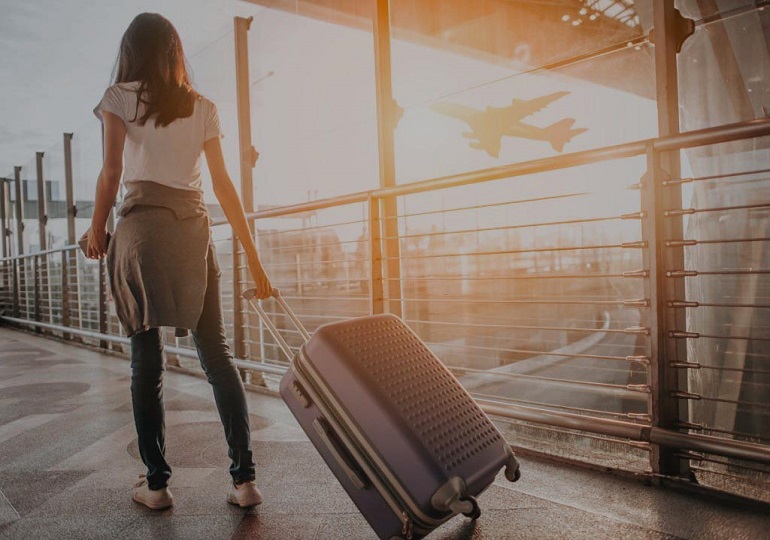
(155, 499)
(245, 494)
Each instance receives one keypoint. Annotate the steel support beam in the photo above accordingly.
(248, 159)
(42, 216)
(386, 126)
(667, 411)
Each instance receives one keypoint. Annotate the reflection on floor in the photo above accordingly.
(68, 459)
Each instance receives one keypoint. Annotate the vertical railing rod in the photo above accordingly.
(69, 188)
(19, 211)
(4, 215)
(6, 283)
(36, 291)
(16, 285)
(102, 317)
(65, 293)
(42, 216)
(376, 290)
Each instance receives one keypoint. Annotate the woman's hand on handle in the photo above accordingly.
(262, 286)
(97, 242)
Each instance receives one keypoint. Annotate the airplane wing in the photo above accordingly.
(521, 108)
(466, 114)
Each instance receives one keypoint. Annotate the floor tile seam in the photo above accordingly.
(128, 525)
(592, 511)
(4, 498)
(318, 528)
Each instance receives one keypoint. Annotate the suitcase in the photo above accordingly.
(403, 437)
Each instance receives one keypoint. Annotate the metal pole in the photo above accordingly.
(667, 412)
(16, 284)
(4, 215)
(376, 295)
(19, 211)
(42, 217)
(102, 317)
(36, 289)
(65, 293)
(43, 277)
(6, 283)
(247, 161)
(386, 126)
(70, 189)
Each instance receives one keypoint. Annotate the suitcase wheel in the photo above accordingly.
(476, 512)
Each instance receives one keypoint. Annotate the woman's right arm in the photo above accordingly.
(233, 209)
(107, 185)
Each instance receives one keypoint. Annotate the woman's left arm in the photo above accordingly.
(107, 185)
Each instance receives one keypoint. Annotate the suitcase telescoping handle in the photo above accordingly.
(249, 295)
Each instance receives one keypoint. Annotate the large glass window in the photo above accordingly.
(313, 100)
(499, 82)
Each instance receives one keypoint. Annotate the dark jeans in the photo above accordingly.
(147, 367)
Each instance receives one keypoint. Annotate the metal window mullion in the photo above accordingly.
(247, 155)
(386, 125)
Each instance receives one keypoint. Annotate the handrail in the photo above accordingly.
(702, 137)
(604, 426)
(629, 430)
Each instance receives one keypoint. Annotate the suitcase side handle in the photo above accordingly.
(328, 437)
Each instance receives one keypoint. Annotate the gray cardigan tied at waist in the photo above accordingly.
(157, 258)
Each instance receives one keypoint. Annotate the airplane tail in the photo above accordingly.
(561, 133)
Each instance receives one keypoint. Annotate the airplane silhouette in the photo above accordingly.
(488, 127)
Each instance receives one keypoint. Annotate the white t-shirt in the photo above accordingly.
(169, 155)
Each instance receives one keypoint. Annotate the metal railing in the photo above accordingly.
(564, 314)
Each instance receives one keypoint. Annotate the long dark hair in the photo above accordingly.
(151, 53)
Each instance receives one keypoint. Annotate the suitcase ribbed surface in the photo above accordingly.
(424, 392)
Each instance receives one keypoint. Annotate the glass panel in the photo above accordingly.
(313, 101)
(724, 68)
(86, 166)
(56, 200)
(213, 66)
(520, 286)
(321, 262)
(729, 321)
(470, 102)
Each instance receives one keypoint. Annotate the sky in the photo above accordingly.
(58, 56)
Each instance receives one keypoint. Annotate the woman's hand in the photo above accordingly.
(97, 243)
(262, 286)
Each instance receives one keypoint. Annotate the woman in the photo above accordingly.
(161, 260)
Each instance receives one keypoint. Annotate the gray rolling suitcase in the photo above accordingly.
(402, 436)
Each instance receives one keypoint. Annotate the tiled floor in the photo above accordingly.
(68, 459)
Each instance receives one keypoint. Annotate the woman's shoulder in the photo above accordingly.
(206, 102)
(128, 85)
